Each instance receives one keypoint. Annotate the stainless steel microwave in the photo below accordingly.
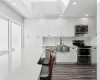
(81, 29)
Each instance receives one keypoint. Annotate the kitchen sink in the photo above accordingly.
(62, 48)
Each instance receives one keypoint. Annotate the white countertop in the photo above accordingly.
(24, 73)
(27, 72)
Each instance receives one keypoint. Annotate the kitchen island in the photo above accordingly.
(27, 71)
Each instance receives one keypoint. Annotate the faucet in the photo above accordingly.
(60, 41)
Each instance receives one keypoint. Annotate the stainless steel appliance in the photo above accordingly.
(81, 29)
(84, 52)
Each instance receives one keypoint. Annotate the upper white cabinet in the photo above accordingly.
(32, 40)
(55, 27)
(92, 27)
(61, 28)
(43, 27)
(67, 29)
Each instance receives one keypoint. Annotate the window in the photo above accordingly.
(3, 34)
(16, 45)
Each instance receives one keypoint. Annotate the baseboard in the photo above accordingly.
(93, 63)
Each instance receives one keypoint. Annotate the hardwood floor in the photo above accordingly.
(74, 72)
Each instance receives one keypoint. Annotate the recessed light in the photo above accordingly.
(40, 15)
(14, 4)
(60, 15)
(74, 3)
(87, 15)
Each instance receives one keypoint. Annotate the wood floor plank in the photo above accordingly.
(74, 72)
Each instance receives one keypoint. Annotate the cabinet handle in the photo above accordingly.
(38, 36)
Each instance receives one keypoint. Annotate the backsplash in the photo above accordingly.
(65, 40)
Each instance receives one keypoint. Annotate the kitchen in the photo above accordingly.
(55, 27)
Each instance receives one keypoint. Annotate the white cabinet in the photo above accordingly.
(32, 40)
(92, 27)
(44, 27)
(61, 28)
(55, 27)
(68, 57)
(94, 56)
(67, 29)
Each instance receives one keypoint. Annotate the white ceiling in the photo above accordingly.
(35, 8)
(81, 8)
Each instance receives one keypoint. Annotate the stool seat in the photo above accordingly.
(44, 71)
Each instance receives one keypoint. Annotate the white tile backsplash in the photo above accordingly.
(66, 40)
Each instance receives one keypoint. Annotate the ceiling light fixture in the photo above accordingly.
(60, 15)
(14, 4)
(41, 15)
(87, 15)
(74, 3)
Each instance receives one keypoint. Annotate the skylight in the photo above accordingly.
(41, 0)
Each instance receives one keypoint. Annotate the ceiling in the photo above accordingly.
(53, 8)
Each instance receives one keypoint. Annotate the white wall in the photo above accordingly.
(6, 11)
(98, 40)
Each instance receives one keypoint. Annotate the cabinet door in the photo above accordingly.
(43, 27)
(30, 41)
(73, 57)
(92, 27)
(62, 57)
(66, 57)
(55, 27)
(67, 28)
(94, 56)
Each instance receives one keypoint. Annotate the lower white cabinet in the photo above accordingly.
(94, 57)
(68, 57)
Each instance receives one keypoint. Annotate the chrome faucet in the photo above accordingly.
(60, 41)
